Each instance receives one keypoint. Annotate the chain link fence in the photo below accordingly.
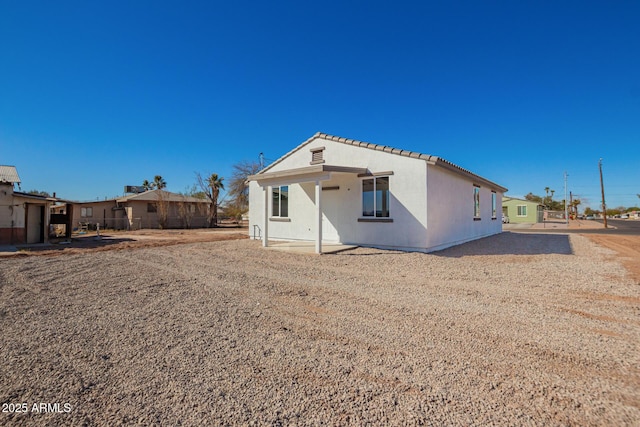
(172, 222)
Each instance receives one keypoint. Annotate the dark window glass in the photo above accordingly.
(367, 197)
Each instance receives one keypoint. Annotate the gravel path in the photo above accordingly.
(516, 329)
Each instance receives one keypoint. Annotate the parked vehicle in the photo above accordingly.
(505, 219)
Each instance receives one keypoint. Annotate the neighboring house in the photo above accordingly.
(522, 211)
(332, 189)
(143, 210)
(24, 218)
(634, 214)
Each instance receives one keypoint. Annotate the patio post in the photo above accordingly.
(319, 217)
(265, 223)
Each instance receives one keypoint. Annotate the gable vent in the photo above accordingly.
(317, 155)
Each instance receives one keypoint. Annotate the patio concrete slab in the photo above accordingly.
(306, 247)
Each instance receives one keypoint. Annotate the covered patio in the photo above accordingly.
(316, 174)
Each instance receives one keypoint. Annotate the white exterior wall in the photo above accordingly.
(343, 207)
(444, 218)
(451, 206)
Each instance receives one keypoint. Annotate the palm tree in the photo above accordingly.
(147, 185)
(159, 182)
(575, 204)
(215, 184)
(211, 188)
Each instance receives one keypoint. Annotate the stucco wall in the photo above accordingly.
(12, 214)
(14, 228)
(12, 217)
(451, 210)
(100, 211)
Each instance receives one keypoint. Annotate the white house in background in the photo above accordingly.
(333, 189)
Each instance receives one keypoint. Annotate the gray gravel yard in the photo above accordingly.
(515, 329)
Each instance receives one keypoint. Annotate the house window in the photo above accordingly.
(280, 201)
(476, 202)
(375, 197)
(494, 207)
(522, 210)
(151, 207)
(86, 212)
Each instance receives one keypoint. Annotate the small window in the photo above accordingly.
(476, 202)
(522, 210)
(86, 212)
(280, 201)
(151, 207)
(375, 197)
(494, 207)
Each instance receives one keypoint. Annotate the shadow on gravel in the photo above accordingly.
(508, 243)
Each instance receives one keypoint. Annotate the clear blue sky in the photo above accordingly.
(98, 95)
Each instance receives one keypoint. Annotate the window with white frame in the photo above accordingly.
(280, 201)
(375, 197)
(521, 210)
(86, 212)
(476, 202)
(494, 205)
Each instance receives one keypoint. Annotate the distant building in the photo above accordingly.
(24, 218)
(144, 210)
(521, 210)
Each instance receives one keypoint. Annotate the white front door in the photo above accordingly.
(330, 212)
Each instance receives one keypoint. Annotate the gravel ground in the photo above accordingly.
(516, 329)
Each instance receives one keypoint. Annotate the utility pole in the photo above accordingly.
(566, 206)
(604, 205)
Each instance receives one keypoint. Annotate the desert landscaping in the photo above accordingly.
(514, 329)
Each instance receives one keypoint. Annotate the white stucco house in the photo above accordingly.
(339, 190)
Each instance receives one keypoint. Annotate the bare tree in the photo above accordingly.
(238, 188)
(162, 208)
(211, 187)
(186, 211)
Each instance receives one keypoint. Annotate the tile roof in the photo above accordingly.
(434, 160)
(9, 174)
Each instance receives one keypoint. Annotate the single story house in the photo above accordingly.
(24, 218)
(522, 211)
(334, 189)
(149, 209)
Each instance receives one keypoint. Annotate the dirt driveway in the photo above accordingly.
(627, 249)
(120, 240)
(516, 329)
